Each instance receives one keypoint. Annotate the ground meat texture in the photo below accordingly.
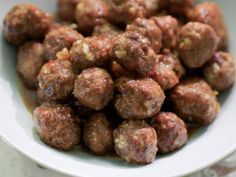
(195, 101)
(58, 39)
(125, 11)
(106, 29)
(177, 7)
(98, 134)
(171, 131)
(210, 13)
(197, 44)
(66, 9)
(25, 21)
(94, 88)
(90, 52)
(136, 142)
(30, 59)
(90, 13)
(56, 81)
(165, 71)
(118, 71)
(219, 72)
(170, 30)
(139, 99)
(133, 52)
(150, 30)
(56, 126)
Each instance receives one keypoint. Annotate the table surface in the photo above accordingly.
(13, 164)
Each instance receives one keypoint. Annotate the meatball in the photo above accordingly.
(66, 9)
(90, 52)
(135, 142)
(197, 44)
(133, 52)
(171, 131)
(98, 134)
(94, 88)
(106, 29)
(177, 7)
(170, 30)
(219, 72)
(56, 126)
(58, 39)
(90, 13)
(150, 30)
(195, 101)
(25, 21)
(29, 63)
(125, 11)
(210, 13)
(164, 73)
(139, 99)
(56, 81)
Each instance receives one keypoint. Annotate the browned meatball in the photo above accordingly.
(90, 13)
(210, 13)
(133, 52)
(90, 52)
(106, 29)
(170, 30)
(150, 30)
(177, 7)
(29, 63)
(56, 126)
(25, 21)
(219, 72)
(171, 131)
(58, 39)
(167, 71)
(66, 9)
(98, 134)
(136, 142)
(56, 80)
(197, 44)
(94, 88)
(125, 11)
(139, 99)
(195, 101)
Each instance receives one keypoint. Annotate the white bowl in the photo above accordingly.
(205, 148)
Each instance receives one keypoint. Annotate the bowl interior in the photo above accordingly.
(206, 146)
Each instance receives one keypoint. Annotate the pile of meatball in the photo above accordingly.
(123, 76)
